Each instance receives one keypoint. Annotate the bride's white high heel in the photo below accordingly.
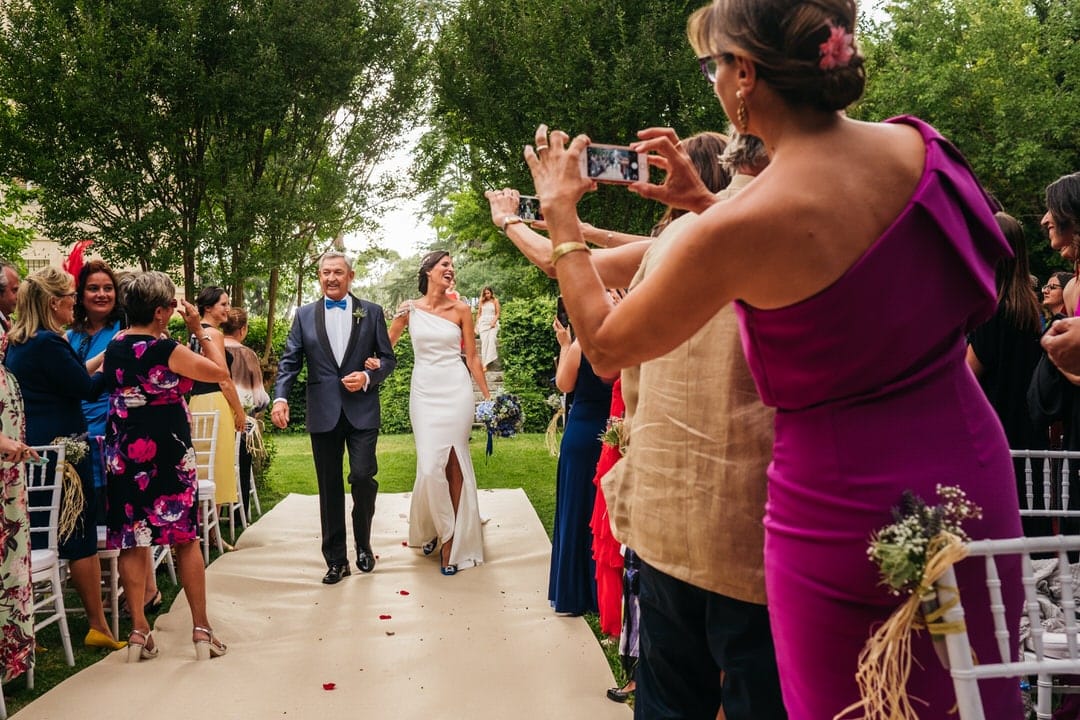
(210, 647)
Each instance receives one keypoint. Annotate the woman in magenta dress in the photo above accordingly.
(887, 246)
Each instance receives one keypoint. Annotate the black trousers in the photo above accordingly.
(328, 450)
(688, 635)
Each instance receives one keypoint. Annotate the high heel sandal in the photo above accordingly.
(97, 639)
(430, 545)
(211, 647)
(137, 651)
(446, 569)
(153, 606)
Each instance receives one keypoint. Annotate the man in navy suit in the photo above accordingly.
(335, 335)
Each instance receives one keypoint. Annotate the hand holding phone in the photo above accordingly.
(614, 164)
(560, 313)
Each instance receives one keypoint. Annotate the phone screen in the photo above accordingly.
(560, 313)
(529, 208)
(612, 163)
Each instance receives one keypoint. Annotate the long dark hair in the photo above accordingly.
(430, 260)
(208, 297)
(95, 266)
(1014, 278)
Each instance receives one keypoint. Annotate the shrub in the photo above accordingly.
(527, 351)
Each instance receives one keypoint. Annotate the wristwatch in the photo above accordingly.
(509, 220)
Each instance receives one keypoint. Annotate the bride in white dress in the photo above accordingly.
(444, 505)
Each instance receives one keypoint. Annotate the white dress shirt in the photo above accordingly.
(338, 328)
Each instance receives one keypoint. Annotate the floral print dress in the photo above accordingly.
(16, 620)
(152, 489)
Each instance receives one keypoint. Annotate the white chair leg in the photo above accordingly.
(3, 707)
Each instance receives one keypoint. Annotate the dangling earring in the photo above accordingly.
(742, 115)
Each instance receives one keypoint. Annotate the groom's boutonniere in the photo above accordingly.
(359, 313)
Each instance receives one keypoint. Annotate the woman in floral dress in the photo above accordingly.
(16, 620)
(150, 464)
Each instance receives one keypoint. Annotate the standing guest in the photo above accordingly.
(487, 324)
(1053, 296)
(572, 578)
(444, 506)
(334, 335)
(699, 517)
(1062, 225)
(606, 550)
(9, 290)
(856, 217)
(98, 318)
(246, 371)
(153, 486)
(16, 615)
(53, 382)
(213, 305)
(1003, 353)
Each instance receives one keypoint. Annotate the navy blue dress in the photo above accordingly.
(572, 583)
(54, 383)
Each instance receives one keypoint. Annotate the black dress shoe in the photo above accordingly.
(335, 574)
(618, 694)
(365, 560)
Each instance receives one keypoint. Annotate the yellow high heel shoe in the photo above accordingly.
(98, 639)
(145, 650)
(207, 648)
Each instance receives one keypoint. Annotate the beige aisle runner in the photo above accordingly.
(403, 642)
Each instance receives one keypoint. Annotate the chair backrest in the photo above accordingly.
(43, 484)
(1041, 656)
(204, 429)
(1051, 482)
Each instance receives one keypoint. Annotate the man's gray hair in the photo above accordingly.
(3, 275)
(331, 254)
(743, 151)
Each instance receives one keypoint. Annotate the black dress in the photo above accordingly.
(150, 464)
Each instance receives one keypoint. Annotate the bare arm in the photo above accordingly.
(472, 358)
(569, 363)
(616, 266)
(399, 323)
(700, 275)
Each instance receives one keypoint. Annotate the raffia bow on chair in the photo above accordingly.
(73, 499)
(885, 661)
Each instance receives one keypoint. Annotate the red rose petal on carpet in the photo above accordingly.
(329, 686)
(384, 617)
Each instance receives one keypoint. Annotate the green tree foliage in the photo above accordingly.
(16, 223)
(235, 139)
(607, 68)
(527, 351)
(999, 78)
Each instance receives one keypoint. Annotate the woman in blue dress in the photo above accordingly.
(572, 582)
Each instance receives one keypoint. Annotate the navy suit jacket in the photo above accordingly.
(326, 396)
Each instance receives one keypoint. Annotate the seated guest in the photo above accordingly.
(54, 382)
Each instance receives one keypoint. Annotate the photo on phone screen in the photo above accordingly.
(529, 208)
(614, 164)
(560, 312)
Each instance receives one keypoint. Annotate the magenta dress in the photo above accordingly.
(873, 397)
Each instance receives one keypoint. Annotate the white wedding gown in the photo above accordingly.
(441, 409)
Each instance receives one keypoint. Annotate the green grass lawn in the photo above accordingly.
(522, 461)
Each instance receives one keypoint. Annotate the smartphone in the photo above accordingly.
(529, 208)
(560, 312)
(614, 164)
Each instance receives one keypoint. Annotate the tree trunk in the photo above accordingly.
(271, 307)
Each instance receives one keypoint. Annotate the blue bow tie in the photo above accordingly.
(342, 304)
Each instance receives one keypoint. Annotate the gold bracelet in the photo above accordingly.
(567, 247)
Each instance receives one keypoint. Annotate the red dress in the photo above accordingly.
(608, 559)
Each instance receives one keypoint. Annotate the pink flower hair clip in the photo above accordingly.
(838, 48)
